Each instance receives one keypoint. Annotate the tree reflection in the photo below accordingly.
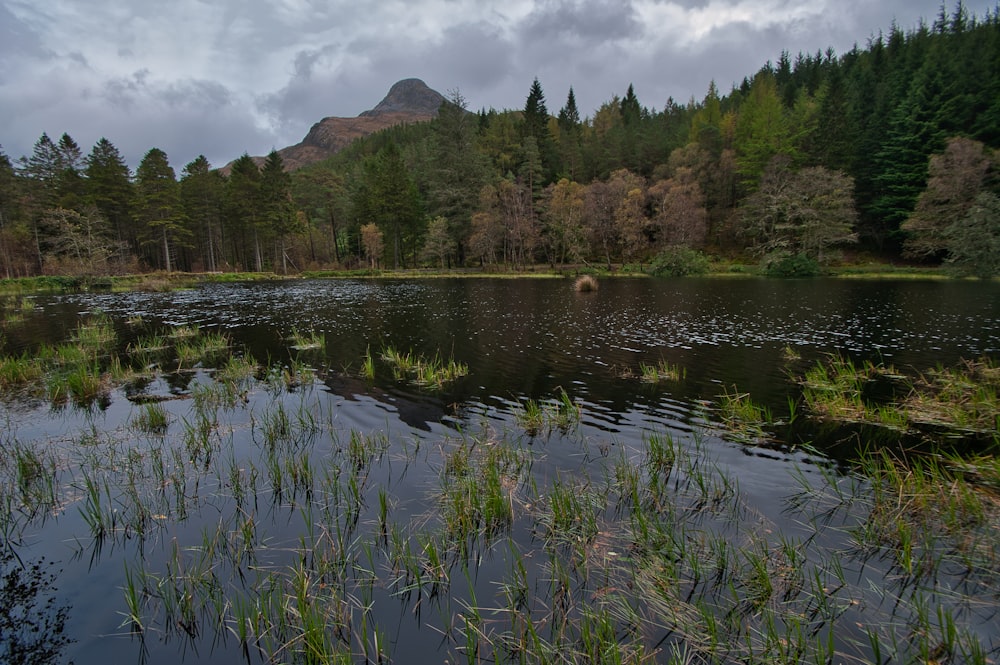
(31, 620)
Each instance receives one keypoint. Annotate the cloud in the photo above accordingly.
(228, 76)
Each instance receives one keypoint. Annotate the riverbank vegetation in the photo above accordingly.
(891, 148)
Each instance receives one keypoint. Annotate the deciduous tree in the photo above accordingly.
(800, 212)
(955, 178)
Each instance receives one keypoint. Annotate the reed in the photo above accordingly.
(20, 371)
(307, 341)
(151, 418)
(661, 371)
(585, 284)
(743, 417)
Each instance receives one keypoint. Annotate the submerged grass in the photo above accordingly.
(302, 542)
(433, 372)
(961, 399)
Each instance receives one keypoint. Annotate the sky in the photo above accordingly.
(224, 77)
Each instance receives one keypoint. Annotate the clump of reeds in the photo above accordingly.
(962, 398)
(560, 413)
(152, 418)
(585, 284)
(426, 372)
(743, 417)
(661, 371)
(302, 341)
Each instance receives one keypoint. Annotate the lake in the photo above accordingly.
(308, 498)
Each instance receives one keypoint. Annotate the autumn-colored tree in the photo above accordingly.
(79, 243)
(564, 216)
(599, 217)
(438, 244)
(955, 179)
(628, 198)
(486, 237)
(373, 243)
(680, 217)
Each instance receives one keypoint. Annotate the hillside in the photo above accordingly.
(407, 101)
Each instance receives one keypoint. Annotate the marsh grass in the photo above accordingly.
(20, 371)
(151, 418)
(961, 399)
(744, 418)
(543, 417)
(661, 371)
(306, 341)
(434, 372)
(585, 284)
(262, 520)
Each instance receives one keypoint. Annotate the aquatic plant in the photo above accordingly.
(661, 371)
(585, 284)
(151, 418)
(432, 372)
(302, 341)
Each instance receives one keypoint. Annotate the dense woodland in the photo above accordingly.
(890, 150)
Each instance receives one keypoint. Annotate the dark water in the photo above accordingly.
(528, 337)
(521, 339)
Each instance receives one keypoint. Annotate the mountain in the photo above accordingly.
(408, 101)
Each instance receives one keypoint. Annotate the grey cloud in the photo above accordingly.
(582, 20)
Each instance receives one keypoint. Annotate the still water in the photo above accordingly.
(522, 340)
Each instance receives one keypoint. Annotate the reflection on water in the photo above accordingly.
(218, 485)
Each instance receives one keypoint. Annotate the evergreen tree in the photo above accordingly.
(536, 126)
(277, 214)
(159, 205)
(458, 171)
(706, 124)
(570, 136)
(202, 200)
(109, 189)
(388, 197)
(242, 212)
(42, 170)
(69, 180)
(762, 129)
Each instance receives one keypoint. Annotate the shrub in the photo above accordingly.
(585, 283)
(790, 265)
(679, 262)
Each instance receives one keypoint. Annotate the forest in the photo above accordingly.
(889, 152)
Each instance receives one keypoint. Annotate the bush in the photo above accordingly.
(679, 262)
(790, 265)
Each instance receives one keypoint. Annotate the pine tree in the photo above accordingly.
(159, 204)
(278, 215)
(458, 171)
(109, 189)
(570, 138)
(202, 200)
(242, 211)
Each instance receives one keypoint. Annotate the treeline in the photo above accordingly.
(891, 148)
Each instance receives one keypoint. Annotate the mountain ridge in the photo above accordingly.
(408, 100)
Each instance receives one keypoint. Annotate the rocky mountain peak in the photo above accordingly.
(408, 96)
(408, 101)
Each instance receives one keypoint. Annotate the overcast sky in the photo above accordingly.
(223, 77)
